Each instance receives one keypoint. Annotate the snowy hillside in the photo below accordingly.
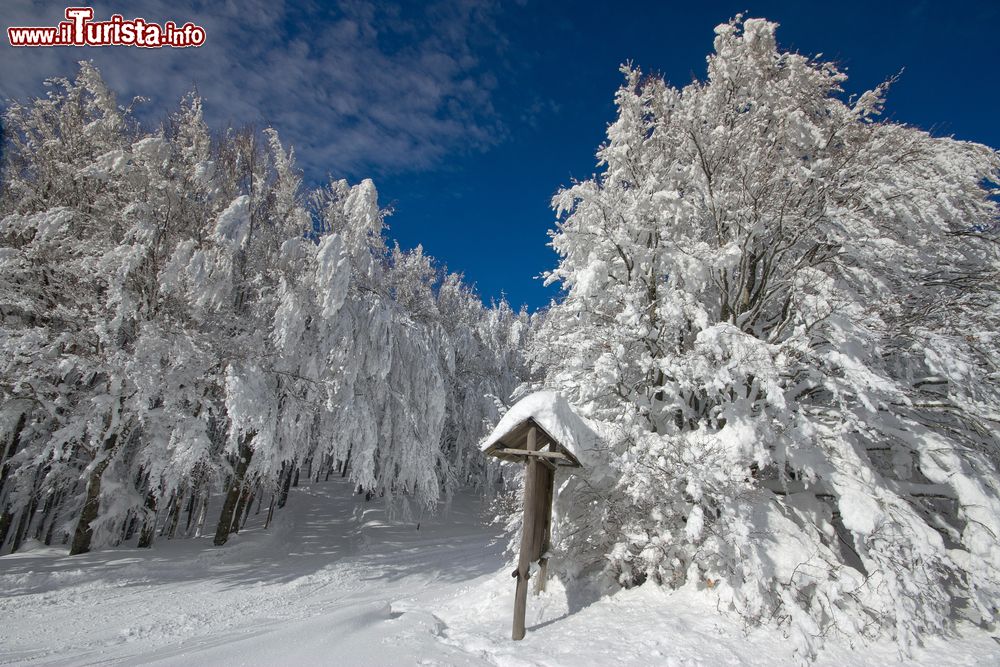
(364, 590)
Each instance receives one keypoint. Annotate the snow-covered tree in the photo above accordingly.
(784, 310)
(66, 206)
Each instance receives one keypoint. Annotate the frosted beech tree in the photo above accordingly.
(479, 350)
(487, 345)
(174, 366)
(64, 216)
(784, 311)
(387, 396)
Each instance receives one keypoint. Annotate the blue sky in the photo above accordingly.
(470, 114)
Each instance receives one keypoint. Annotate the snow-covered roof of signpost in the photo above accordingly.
(555, 418)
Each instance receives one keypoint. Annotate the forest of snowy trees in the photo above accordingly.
(184, 331)
(780, 311)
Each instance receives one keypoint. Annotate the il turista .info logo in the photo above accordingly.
(79, 29)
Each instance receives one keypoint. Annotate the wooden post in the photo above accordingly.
(524, 443)
(548, 475)
(527, 536)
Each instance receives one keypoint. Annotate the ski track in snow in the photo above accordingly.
(335, 581)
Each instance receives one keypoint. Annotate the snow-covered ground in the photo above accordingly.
(336, 582)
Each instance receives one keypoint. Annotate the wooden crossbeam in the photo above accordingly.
(528, 452)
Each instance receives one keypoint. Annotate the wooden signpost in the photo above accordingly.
(527, 443)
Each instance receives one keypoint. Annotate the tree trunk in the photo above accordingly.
(240, 508)
(9, 449)
(199, 498)
(235, 491)
(57, 507)
(175, 517)
(6, 519)
(84, 533)
(23, 524)
(47, 510)
(270, 512)
(286, 483)
(128, 528)
(346, 464)
(52, 524)
(249, 507)
(148, 523)
(174, 501)
(202, 515)
(190, 508)
(51, 519)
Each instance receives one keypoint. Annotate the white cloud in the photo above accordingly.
(357, 88)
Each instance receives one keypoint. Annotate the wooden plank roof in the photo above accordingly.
(513, 446)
